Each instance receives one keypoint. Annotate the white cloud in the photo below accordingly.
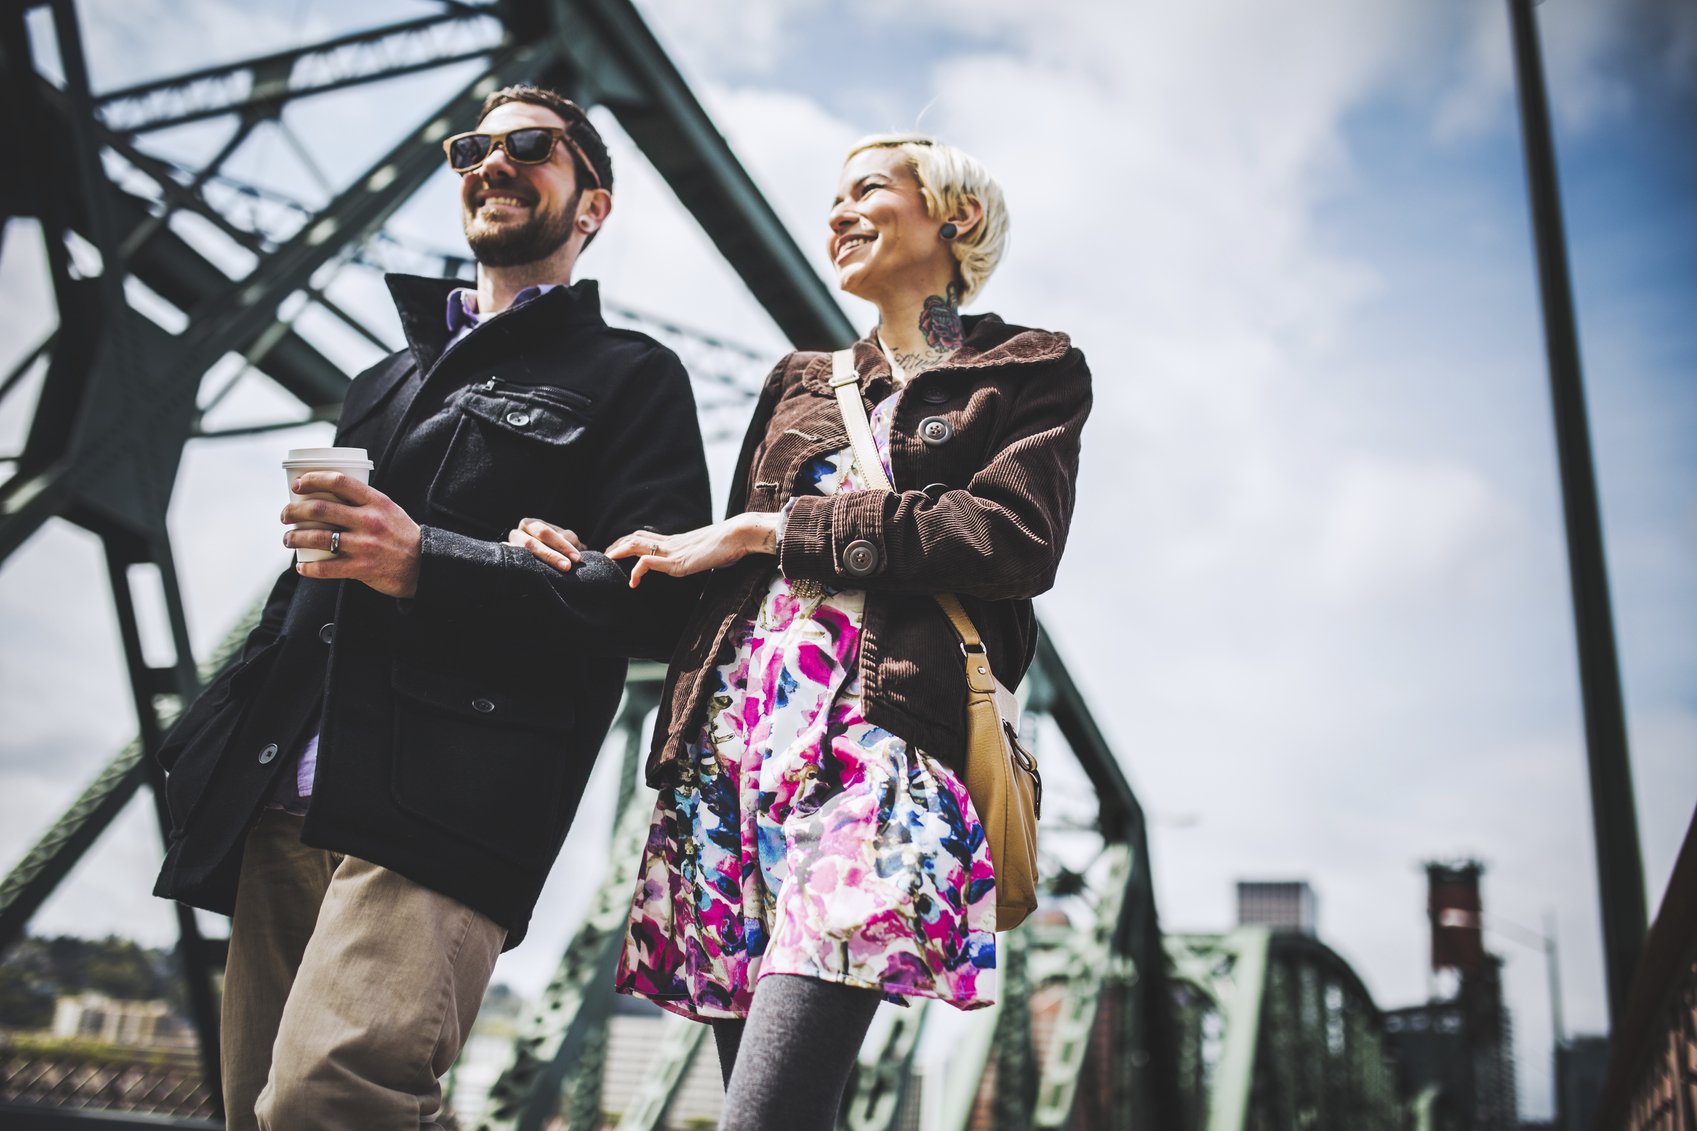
(1394, 530)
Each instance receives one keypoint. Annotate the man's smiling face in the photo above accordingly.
(516, 213)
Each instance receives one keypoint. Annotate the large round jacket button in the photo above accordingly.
(935, 430)
(933, 394)
(482, 706)
(268, 753)
(860, 558)
(328, 632)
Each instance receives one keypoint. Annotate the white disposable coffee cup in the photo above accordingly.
(351, 462)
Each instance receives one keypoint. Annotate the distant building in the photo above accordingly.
(132, 1024)
(1283, 905)
(1457, 1055)
(1581, 1064)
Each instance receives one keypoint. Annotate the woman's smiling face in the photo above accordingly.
(881, 232)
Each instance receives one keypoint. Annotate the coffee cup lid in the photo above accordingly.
(328, 457)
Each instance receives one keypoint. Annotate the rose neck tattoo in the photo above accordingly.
(939, 321)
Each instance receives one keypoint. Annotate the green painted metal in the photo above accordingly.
(1232, 972)
(259, 87)
(600, 51)
(678, 1049)
(51, 858)
(885, 1067)
(1299, 1043)
(965, 1074)
(1085, 960)
(619, 64)
(1015, 1061)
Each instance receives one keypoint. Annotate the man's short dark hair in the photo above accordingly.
(578, 126)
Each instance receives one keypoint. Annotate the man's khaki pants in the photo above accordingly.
(348, 992)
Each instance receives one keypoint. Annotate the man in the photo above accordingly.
(377, 791)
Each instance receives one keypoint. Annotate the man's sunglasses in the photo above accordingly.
(530, 145)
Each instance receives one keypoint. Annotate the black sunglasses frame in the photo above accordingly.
(499, 141)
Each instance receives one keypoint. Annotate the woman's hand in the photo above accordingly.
(555, 545)
(711, 547)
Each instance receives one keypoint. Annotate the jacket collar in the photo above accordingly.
(989, 343)
(423, 303)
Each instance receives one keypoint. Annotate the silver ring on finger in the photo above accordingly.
(654, 549)
(335, 541)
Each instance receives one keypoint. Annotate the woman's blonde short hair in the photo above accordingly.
(947, 176)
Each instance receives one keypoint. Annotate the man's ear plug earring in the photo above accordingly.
(586, 224)
(948, 231)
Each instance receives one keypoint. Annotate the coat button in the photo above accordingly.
(267, 754)
(934, 430)
(328, 632)
(518, 419)
(482, 705)
(860, 558)
(932, 394)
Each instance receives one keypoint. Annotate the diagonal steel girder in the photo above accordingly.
(50, 859)
(597, 49)
(609, 57)
(263, 85)
(136, 410)
(619, 64)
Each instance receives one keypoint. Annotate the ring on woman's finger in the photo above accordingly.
(654, 548)
(335, 541)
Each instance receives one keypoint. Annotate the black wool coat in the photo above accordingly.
(458, 728)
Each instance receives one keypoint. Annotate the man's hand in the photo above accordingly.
(555, 545)
(379, 543)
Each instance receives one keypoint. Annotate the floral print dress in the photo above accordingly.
(795, 837)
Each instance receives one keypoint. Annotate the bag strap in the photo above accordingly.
(845, 381)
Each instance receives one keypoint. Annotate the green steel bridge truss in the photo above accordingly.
(1100, 1023)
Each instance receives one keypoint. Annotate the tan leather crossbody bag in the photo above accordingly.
(1001, 775)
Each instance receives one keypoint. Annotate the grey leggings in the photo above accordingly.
(786, 1066)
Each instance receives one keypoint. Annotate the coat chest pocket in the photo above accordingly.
(511, 450)
(479, 760)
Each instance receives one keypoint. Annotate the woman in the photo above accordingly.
(813, 849)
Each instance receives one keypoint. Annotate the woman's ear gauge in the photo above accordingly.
(948, 231)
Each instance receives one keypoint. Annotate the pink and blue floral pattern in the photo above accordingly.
(798, 838)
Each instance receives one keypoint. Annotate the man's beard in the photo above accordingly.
(510, 245)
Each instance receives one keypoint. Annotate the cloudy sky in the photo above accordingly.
(1316, 588)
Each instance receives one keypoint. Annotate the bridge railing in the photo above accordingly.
(1652, 1079)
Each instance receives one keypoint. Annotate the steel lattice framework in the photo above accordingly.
(118, 402)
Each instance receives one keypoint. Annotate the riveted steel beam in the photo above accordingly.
(51, 858)
(1088, 958)
(264, 85)
(615, 55)
(665, 1075)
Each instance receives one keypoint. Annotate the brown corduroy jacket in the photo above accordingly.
(981, 509)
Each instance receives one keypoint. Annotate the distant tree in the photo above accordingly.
(26, 996)
(36, 971)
